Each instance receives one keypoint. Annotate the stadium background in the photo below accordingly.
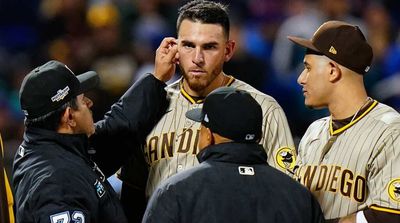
(118, 38)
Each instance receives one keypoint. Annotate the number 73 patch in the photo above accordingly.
(65, 217)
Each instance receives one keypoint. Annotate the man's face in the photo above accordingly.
(83, 116)
(203, 49)
(315, 81)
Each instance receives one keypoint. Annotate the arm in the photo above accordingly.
(59, 200)
(278, 141)
(131, 119)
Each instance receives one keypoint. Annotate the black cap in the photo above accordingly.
(341, 42)
(48, 87)
(231, 113)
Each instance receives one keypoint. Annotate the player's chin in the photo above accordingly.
(197, 84)
(308, 103)
(311, 105)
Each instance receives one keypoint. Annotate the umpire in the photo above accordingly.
(233, 182)
(55, 179)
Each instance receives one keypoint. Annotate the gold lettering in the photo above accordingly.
(309, 174)
(188, 132)
(166, 144)
(321, 178)
(359, 189)
(329, 177)
(152, 145)
(346, 183)
(333, 188)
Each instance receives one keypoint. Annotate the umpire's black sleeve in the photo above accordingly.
(129, 121)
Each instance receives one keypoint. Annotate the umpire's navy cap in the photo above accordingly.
(231, 113)
(51, 85)
(341, 42)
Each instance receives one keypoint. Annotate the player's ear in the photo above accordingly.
(229, 49)
(70, 121)
(66, 121)
(335, 72)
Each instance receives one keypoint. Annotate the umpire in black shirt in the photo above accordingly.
(55, 176)
(233, 182)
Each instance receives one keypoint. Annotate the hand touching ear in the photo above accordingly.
(166, 59)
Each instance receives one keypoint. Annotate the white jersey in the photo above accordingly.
(172, 145)
(356, 166)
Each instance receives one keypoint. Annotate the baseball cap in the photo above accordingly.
(342, 42)
(231, 113)
(51, 85)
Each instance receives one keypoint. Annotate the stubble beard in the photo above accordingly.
(198, 84)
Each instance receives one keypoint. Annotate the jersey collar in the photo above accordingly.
(340, 130)
(199, 101)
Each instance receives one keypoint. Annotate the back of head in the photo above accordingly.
(50, 88)
(207, 12)
(231, 113)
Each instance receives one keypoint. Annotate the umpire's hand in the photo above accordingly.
(166, 59)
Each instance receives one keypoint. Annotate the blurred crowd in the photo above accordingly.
(118, 39)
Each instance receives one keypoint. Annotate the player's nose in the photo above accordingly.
(301, 78)
(198, 57)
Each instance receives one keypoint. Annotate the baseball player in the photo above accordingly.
(6, 197)
(349, 160)
(203, 47)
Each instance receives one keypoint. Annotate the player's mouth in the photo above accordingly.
(197, 72)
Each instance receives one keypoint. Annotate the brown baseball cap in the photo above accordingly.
(343, 43)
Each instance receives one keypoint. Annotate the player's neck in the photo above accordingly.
(219, 81)
(348, 105)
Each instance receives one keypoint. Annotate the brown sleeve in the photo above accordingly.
(373, 216)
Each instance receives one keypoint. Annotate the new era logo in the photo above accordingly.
(332, 50)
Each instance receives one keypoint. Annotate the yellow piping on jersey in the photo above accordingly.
(351, 123)
(189, 98)
(389, 210)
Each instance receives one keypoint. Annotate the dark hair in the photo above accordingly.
(51, 121)
(203, 11)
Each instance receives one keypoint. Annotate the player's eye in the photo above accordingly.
(188, 45)
(210, 47)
